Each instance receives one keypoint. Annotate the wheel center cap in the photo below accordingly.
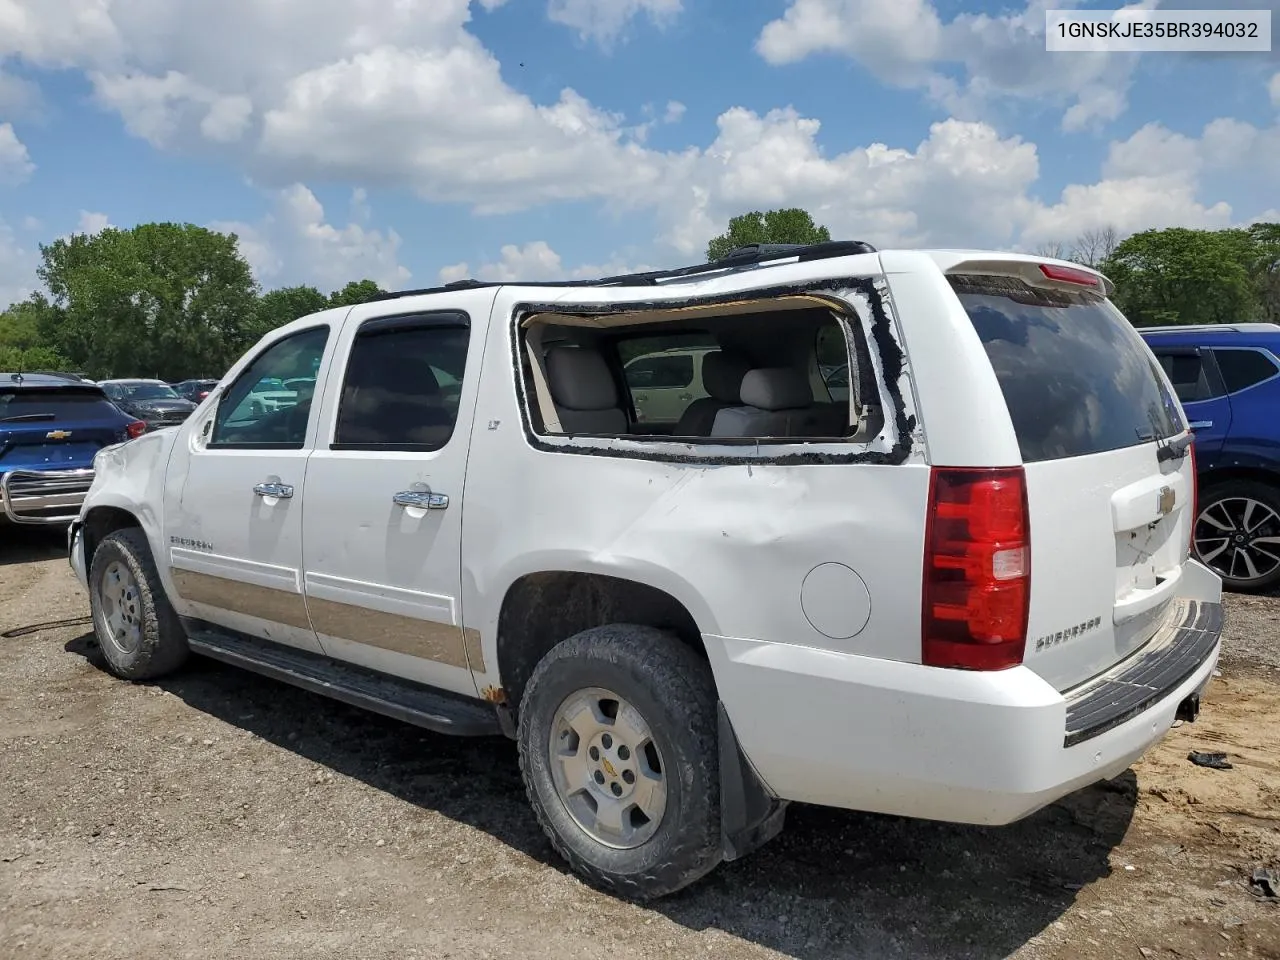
(1239, 538)
(608, 767)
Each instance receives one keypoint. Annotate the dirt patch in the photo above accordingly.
(221, 815)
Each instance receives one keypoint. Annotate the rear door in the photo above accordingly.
(383, 511)
(1198, 384)
(1110, 497)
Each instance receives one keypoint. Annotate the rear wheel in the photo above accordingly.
(140, 635)
(1238, 534)
(618, 749)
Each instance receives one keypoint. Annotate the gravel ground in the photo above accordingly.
(221, 815)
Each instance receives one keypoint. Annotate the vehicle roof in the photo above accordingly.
(28, 380)
(787, 264)
(1216, 335)
(135, 380)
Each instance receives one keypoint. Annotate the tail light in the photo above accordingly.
(977, 569)
(1069, 275)
(135, 429)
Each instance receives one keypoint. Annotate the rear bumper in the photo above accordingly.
(967, 747)
(44, 496)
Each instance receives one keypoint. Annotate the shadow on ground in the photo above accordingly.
(834, 884)
(30, 544)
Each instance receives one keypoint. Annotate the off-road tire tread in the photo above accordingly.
(1254, 490)
(163, 647)
(674, 674)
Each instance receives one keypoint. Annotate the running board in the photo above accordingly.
(382, 693)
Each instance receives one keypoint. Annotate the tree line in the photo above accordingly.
(176, 301)
(166, 300)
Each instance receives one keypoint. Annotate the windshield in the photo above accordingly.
(147, 391)
(1076, 377)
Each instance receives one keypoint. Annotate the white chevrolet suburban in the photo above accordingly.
(958, 590)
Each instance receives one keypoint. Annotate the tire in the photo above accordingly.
(140, 636)
(673, 691)
(1227, 504)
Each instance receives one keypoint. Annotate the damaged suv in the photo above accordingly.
(957, 586)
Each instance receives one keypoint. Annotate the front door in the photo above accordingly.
(235, 536)
(382, 547)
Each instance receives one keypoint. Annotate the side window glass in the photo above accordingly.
(663, 374)
(403, 385)
(1187, 373)
(1243, 368)
(833, 360)
(258, 410)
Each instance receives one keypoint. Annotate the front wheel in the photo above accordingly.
(1238, 534)
(139, 633)
(618, 749)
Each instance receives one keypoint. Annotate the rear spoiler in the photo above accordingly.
(1036, 271)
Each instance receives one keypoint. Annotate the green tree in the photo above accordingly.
(355, 292)
(1266, 269)
(23, 338)
(1179, 276)
(277, 307)
(161, 299)
(791, 225)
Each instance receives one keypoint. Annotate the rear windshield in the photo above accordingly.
(1076, 377)
(55, 404)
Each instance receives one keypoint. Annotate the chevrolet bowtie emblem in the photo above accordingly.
(57, 434)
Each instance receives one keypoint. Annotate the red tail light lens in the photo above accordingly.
(1069, 275)
(977, 569)
(135, 429)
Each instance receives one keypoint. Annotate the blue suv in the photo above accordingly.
(1228, 380)
(51, 427)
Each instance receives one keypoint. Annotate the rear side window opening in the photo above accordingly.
(1076, 377)
(763, 371)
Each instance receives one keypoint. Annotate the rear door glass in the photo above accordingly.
(1076, 377)
(1188, 374)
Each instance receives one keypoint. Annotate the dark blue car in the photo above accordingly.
(51, 427)
(1228, 380)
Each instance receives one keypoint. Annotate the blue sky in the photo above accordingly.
(415, 141)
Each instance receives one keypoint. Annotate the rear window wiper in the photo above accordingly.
(27, 416)
(1173, 449)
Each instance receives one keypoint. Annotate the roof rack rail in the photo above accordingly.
(1254, 327)
(752, 255)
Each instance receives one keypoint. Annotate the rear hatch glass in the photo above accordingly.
(1076, 377)
(1110, 518)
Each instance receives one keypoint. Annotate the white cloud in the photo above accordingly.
(92, 223)
(15, 162)
(535, 261)
(1273, 88)
(604, 20)
(675, 112)
(294, 244)
(19, 97)
(17, 267)
(907, 43)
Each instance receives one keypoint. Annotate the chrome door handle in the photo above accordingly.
(421, 498)
(282, 491)
(1200, 424)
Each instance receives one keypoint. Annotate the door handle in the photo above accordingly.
(282, 491)
(421, 498)
(1200, 424)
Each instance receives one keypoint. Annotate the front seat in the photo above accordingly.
(776, 401)
(722, 375)
(584, 391)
